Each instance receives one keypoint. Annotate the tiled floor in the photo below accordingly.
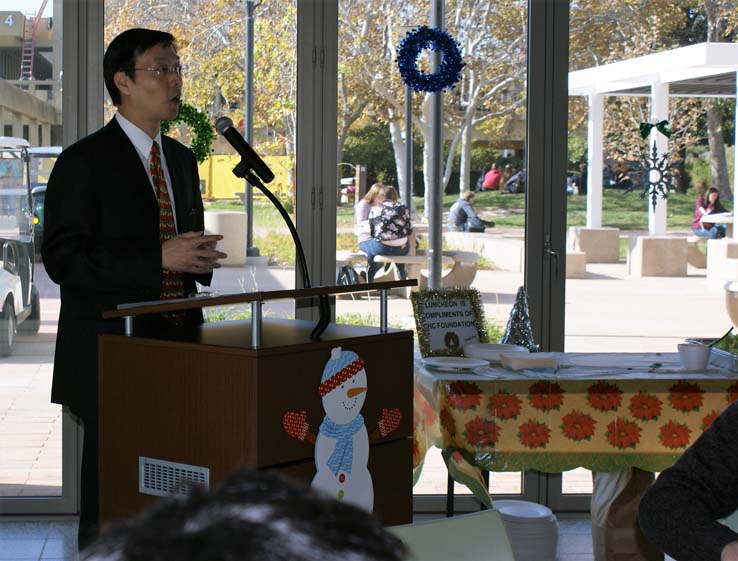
(48, 540)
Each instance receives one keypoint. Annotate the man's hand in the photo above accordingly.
(191, 253)
(730, 552)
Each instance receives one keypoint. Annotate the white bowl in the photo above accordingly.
(490, 351)
(694, 356)
(731, 301)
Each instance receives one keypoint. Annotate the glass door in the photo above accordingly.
(380, 121)
(38, 463)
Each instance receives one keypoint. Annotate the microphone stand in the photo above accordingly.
(324, 307)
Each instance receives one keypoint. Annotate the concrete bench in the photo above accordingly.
(576, 264)
(413, 265)
(695, 256)
(657, 256)
(601, 245)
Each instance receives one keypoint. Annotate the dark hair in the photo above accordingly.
(251, 516)
(122, 52)
(389, 193)
(706, 197)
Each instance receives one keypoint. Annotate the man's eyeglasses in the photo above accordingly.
(165, 71)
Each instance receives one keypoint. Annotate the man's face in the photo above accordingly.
(149, 96)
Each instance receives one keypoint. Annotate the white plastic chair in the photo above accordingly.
(480, 536)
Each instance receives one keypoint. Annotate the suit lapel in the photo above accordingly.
(127, 165)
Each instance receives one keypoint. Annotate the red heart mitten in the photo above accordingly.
(295, 424)
(389, 421)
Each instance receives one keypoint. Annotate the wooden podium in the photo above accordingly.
(198, 408)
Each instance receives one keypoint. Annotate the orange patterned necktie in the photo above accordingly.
(172, 282)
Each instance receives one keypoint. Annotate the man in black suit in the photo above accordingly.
(124, 223)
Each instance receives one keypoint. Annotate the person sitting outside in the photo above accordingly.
(390, 226)
(516, 184)
(492, 179)
(251, 516)
(361, 212)
(462, 218)
(580, 180)
(708, 204)
(679, 513)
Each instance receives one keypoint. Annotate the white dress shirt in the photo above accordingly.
(143, 143)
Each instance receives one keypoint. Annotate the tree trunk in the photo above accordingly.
(718, 163)
(398, 148)
(465, 163)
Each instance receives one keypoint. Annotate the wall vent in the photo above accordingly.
(162, 478)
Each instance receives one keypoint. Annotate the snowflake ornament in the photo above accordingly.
(657, 173)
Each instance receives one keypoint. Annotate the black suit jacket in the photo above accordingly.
(101, 245)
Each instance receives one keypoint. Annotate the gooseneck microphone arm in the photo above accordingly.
(246, 171)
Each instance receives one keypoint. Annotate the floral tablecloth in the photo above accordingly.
(602, 411)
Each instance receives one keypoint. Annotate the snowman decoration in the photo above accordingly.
(342, 443)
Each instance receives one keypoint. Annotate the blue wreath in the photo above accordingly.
(449, 71)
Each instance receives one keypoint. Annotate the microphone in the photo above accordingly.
(250, 159)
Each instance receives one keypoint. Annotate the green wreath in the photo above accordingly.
(202, 131)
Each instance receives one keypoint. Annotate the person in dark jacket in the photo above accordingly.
(124, 223)
(463, 218)
(679, 513)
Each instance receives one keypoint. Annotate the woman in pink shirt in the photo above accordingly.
(708, 204)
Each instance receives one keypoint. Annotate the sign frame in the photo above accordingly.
(466, 301)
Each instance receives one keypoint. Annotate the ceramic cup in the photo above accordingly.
(694, 356)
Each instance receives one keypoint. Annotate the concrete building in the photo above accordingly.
(31, 108)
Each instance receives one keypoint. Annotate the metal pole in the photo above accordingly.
(128, 326)
(408, 148)
(256, 324)
(383, 310)
(435, 193)
(248, 119)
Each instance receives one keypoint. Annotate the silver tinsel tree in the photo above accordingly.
(519, 330)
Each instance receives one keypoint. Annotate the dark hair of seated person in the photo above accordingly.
(251, 516)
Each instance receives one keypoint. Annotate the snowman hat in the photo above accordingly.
(340, 367)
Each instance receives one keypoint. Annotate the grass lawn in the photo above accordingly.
(627, 211)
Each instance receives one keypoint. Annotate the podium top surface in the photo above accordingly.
(277, 335)
(207, 300)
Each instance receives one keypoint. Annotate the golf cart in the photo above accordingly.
(42, 161)
(19, 299)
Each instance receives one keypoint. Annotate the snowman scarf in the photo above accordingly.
(343, 454)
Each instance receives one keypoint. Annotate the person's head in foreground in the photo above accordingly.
(251, 516)
(467, 196)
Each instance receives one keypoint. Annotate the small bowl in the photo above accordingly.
(694, 356)
(490, 351)
(731, 301)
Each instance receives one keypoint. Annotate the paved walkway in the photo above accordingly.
(607, 310)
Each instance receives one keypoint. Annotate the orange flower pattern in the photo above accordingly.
(481, 433)
(604, 397)
(733, 392)
(622, 433)
(504, 405)
(448, 423)
(546, 396)
(464, 395)
(654, 418)
(674, 435)
(534, 434)
(645, 407)
(708, 419)
(578, 426)
(686, 397)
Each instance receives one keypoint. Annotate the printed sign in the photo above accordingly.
(448, 319)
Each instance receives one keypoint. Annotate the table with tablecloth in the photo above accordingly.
(607, 412)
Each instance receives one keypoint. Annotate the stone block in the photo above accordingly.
(722, 262)
(232, 226)
(601, 245)
(695, 257)
(657, 256)
(576, 264)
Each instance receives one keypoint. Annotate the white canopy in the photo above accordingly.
(702, 70)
